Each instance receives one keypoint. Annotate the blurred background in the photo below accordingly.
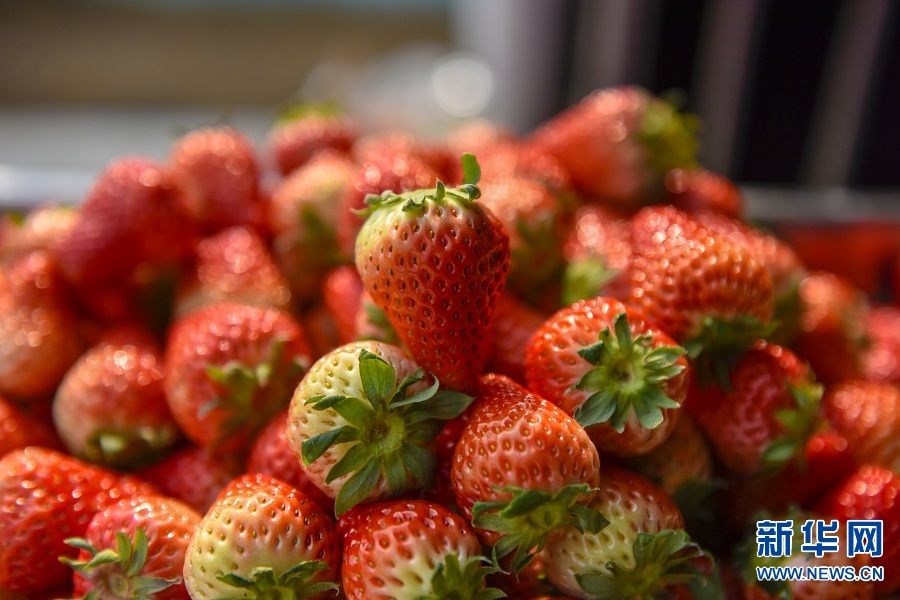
(797, 98)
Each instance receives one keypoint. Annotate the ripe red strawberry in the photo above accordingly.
(305, 130)
(372, 323)
(234, 266)
(272, 455)
(341, 293)
(832, 327)
(364, 422)
(262, 538)
(607, 366)
(512, 327)
(229, 369)
(303, 217)
(409, 549)
(521, 469)
(872, 493)
(762, 419)
(193, 475)
(643, 550)
(388, 169)
(867, 414)
(436, 262)
(881, 358)
(40, 229)
(18, 429)
(217, 166)
(597, 254)
(618, 144)
(322, 330)
(118, 224)
(111, 407)
(148, 536)
(46, 497)
(699, 191)
(519, 159)
(38, 337)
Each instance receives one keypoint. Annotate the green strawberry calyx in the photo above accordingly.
(799, 424)
(123, 449)
(389, 429)
(295, 583)
(718, 344)
(116, 573)
(629, 374)
(531, 516)
(665, 559)
(669, 137)
(250, 396)
(585, 279)
(417, 200)
(462, 580)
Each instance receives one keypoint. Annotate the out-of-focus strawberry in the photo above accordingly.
(147, 535)
(618, 144)
(304, 130)
(435, 154)
(217, 166)
(135, 212)
(881, 359)
(832, 327)
(372, 323)
(303, 217)
(19, 429)
(272, 455)
(342, 291)
(872, 493)
(610, 368)
(45, 498)
(229, 369)
(513, 325)
(38, 334)
(519, 159)
(867, 413)
(234, 266)
(193, 475)
(40, 229)
(597, 255)
(698, 190)
(479, 136)
(111, 408)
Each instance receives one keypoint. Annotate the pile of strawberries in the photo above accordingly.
(377, 367)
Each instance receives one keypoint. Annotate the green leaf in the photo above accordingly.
(377, 376)
(420, 462)
(425, 394)
(356, 412)
(598, 408)
(394, 474)
(354, 460)
(524, 503)
(139, 558)
(357, 488)
(447, 404)
(471, 169)
(316, 446)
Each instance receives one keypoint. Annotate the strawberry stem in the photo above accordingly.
(799, 424)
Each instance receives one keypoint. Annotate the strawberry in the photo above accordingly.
(38, 339)
(271, 455)
(867, 414)
(234, 266)
(193, 475)
(305, 130)
(229, 369)
(615, 373)
(141, 543)
(436, 262)
(46, 497)
(117, 227)
(521, 469)
(762, 418)
(518, 159)
(40, 229)
(341, 293)
(364, 420)
(217, 166)
(872, 493)
(410, 549)
(597, 255)
(643, 550)
(700, 191)
(881, 359)
(619, 143)
(372, 323)
(18, 429)
(512, 327)
(831, 333)
(263, 539)
(111, 407)
(303, 217)
(322, 330)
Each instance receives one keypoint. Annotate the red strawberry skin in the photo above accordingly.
(168, 525)
(295, 141)
(438, 273)
(216, 336)
(391, 548)
(342, 292)
(881, 360)
(193, 475)
(699, 190)
(515, 438)
(45, 498)
(513, 325)
(867, 413)
(19, 429)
